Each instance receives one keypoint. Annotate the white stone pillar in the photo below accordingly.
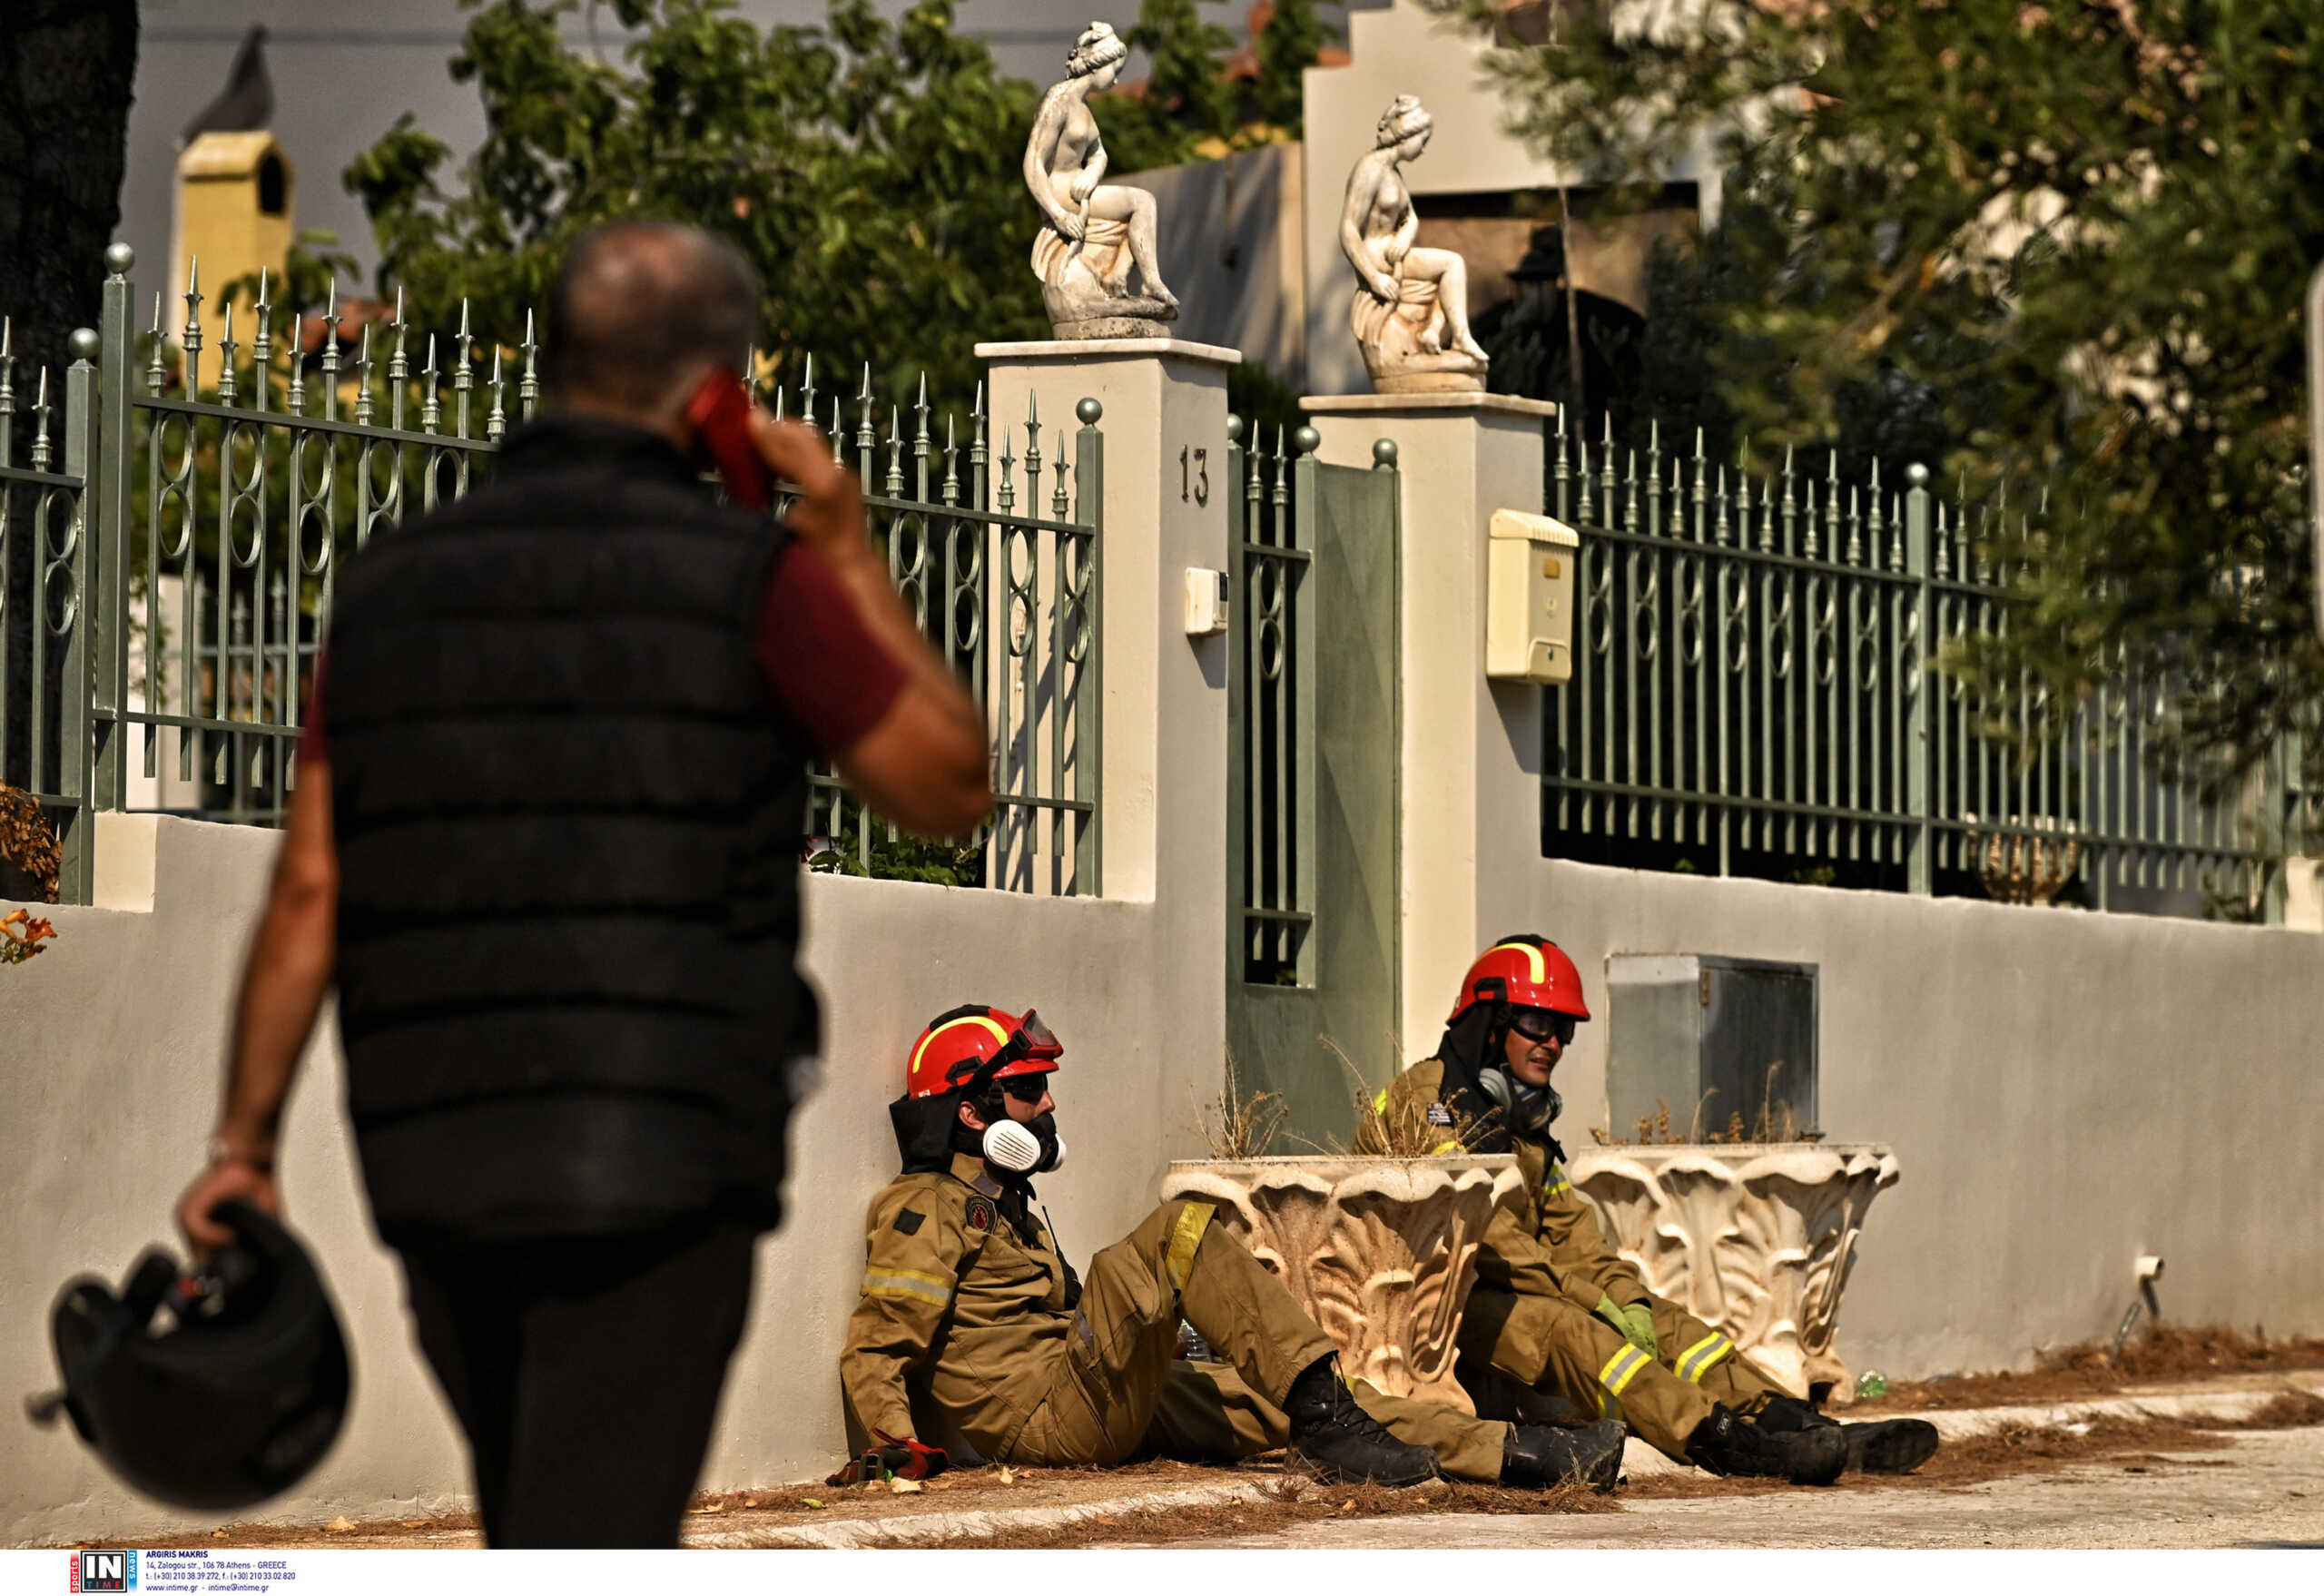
(1163, 695)
(1470, 749)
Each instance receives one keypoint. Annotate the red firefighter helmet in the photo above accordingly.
(974, 1043)
(1527, 972)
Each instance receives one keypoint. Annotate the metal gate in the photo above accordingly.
(1313, 801)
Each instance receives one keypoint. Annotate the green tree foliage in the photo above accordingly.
(1184, 101)
(870, 168)
(2070, 237)
(1290, 43)
(1189, 108)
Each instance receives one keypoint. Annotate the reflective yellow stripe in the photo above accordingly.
(1555, 1184)
(898, 1283)
(1622, 1368)
(1541, 966)
(1445, 1149)
(999, 1036)
(1698, 1359)
(1379, 1103)
(1179, 1262)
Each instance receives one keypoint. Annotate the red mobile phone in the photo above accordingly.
(720, 415)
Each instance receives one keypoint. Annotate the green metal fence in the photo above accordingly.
(189, 507)
(1011, 596)
(45, 502)
(1313, 788)
(1274, 708)
(1752, 695)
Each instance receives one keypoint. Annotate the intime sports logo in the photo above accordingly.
(104, 1571)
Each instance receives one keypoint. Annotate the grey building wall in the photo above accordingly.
(1230, 246)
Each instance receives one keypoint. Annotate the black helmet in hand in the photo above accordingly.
(232, 1401)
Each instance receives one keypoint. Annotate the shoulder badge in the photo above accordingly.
(1438, 1114)
(980, 1214)
(909, 1222)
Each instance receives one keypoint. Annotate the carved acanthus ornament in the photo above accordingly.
(1756, 1240)
(1381, 1253)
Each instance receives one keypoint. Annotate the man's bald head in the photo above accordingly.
(639, 309)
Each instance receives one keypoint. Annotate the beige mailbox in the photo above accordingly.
(1529, 599)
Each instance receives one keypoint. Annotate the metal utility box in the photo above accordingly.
(1529, 599)
(1710, 1037)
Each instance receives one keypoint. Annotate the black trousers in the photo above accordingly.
(586, 1373)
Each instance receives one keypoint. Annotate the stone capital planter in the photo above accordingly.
(1756, 1239)
(1381, 1252)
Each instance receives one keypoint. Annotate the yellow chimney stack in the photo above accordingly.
(235, 217)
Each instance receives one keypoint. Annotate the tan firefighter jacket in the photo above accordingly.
(956, 1298)
(1548, 1241)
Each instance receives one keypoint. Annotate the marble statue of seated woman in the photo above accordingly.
(1097, 231)
(1411, 313)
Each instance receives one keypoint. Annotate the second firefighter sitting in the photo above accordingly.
(1557, 1313)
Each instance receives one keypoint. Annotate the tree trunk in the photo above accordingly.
(66, 71)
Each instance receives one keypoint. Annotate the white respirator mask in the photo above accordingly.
(1024, 1149)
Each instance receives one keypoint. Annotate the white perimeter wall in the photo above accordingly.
(2064, 1091)
(113, 1041)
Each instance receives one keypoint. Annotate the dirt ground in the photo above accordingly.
(2072, 1374)
(2130, 1445)
(2260, 1490)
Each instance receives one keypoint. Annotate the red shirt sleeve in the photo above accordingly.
(833, 679)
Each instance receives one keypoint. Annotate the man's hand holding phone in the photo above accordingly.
(829, 514)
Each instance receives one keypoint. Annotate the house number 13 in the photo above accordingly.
(1196, 487)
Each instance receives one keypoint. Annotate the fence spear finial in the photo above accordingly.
(40, 423)
(363, 377)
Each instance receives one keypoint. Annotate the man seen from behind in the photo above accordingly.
(544, 843)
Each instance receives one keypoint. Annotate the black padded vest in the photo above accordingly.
(567, 819)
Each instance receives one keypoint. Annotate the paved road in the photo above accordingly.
(2266, 1490)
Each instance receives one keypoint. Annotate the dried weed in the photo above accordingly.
(1236, 1126)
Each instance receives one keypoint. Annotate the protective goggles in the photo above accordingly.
(1030, 1037)
(1026, 1088)
(1030, 1040)
(1542, 1025)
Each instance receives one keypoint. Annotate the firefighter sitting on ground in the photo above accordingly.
(968, 1307)
(1555, 1308)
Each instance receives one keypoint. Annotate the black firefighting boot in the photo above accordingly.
(1726, 1445)
(1543, 1455)
(1339, 1441)
(1881, 1446)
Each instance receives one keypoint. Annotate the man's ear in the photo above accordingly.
(969, 1116)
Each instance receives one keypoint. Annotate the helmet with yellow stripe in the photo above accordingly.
(974, 1045)
(1524, 971)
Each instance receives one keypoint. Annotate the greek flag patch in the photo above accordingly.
(1438, 1114)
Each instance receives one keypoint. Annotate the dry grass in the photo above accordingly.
(1388, 1128)
(1654, 1130)
(1294, 1501)
(1235, 1126)
(2287, 1409)
(2164, 1354)
(2136, 1445)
